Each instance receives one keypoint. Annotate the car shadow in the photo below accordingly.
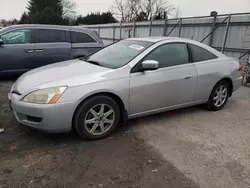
(164, 115)
(123, 147)
(119, 154)
(122, 130)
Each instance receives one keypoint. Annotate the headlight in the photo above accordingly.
(45, 96)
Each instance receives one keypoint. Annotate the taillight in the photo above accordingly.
(239, 68)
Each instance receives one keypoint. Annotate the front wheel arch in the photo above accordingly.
(97, 121)
(116, 98)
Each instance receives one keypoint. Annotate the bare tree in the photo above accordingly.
(68, 8)
(5, 23)
(177, 12)
(121, 8)
(131, 10)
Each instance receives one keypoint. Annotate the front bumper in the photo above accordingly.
(52, 118)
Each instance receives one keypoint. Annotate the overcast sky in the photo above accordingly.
(14, 8)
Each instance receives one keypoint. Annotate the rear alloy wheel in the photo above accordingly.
(219, 96)
(97, 118)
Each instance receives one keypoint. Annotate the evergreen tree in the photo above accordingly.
(96, 18)
(45, 12)
(24, 19)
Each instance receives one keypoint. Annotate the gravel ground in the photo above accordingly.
(191, 147)
(211, 148)
(34, 159)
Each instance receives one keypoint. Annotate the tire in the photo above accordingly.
(91, 124)
(212, 102)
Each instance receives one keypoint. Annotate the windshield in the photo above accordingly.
(118, 54)
(3, 30)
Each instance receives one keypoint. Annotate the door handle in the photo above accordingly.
(187, 77)
(40, 50)
(29, 51)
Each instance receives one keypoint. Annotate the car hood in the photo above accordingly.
(67, 73)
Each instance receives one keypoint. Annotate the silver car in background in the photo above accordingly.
(129, 79)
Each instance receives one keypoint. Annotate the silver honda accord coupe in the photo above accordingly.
(131, 78)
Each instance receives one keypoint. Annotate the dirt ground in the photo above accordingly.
(184, 148)
(33, 159)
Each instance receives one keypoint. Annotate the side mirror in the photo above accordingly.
(1, 41)
(150, 65)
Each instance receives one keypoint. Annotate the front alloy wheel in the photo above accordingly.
(97, 117)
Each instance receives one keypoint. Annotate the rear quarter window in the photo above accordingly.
(200, 54)
(78, 37)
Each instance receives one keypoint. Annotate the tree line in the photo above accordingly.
(62, 12)
(139, 10)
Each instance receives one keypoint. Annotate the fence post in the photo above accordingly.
(226, 33)
(165, 27)
(120, 30)
(134, 26)
(150, 27)
(180, 23)
(99, 30)
(129, 33)
(212, 34)
(113, 33)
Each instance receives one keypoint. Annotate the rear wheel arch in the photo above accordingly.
(219, 95)
(230, 83)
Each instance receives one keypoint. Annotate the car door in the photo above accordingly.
(52, 45)
(84, 44)
(17, 50)
(173, 83)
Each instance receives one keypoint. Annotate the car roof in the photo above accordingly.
(90, 32)
(177, 39)
(50, 26)
(159, 39)
(153, 39)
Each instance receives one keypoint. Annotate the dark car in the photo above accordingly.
(24, 47)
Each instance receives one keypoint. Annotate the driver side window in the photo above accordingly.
(20, 36)
(169, 55)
